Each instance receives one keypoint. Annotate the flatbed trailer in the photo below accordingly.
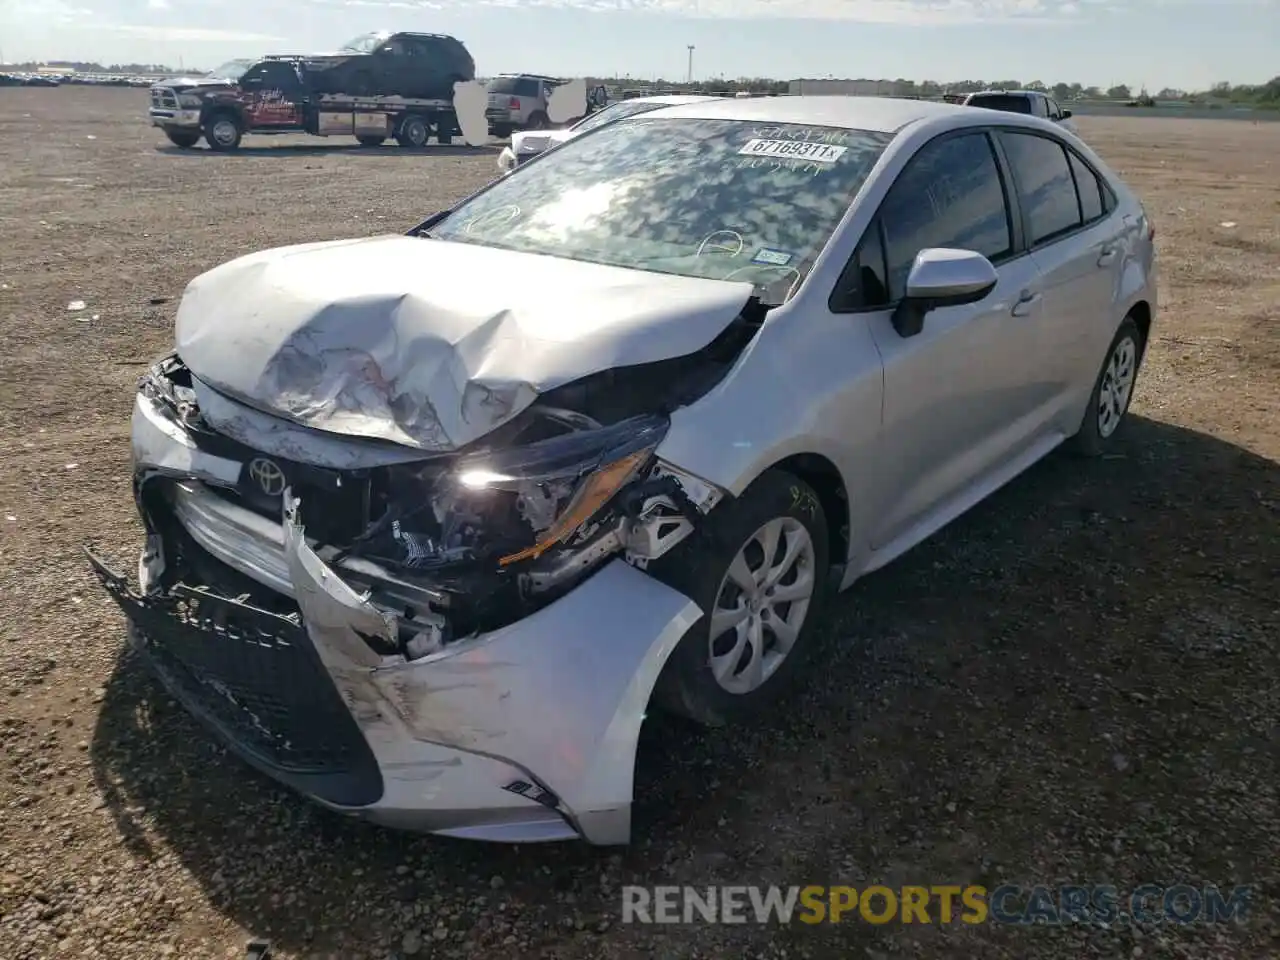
(277, 99)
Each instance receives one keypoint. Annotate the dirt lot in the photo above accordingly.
(1078, 682)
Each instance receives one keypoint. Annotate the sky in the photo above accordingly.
(1151, 43)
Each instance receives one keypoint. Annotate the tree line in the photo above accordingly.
(1266, 95)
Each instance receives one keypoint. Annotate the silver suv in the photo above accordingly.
(518, 101)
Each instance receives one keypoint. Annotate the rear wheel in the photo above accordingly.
(371, 141)
(222, 132)
(413, 133)
(1112, 392)
(538, 121)
(186, 139)
(759, 567)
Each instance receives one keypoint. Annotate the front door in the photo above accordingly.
(272, 93)
(961, 398)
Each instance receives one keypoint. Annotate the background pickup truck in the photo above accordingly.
(386, 93)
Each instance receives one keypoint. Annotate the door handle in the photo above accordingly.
(1108, 255)
(1026, 300)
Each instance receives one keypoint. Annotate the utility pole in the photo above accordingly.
(690, 79)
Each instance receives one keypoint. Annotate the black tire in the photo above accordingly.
(414, 132)
(1094, 436)
(501, 131)
(444, 131)
(222, 131)
(538, 121)
(369, 141)
(699, 566)
(185, 139)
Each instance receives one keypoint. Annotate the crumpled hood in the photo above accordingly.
(428, 343)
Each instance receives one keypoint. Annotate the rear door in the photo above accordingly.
(1077, 241)
(960, 398)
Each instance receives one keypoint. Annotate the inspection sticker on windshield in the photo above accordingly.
(792, 150)
(773, 257)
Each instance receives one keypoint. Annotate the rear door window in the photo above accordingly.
(1089, 188)
(1045, 185)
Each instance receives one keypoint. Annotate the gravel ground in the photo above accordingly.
(1077, 682)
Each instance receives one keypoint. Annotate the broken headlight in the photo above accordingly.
(494, 508)
(562, 483)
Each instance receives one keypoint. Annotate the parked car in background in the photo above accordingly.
(1031, 103)
(433, 520)
(518, 101)
(528, 144)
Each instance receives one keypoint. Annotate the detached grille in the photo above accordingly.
(255, 677)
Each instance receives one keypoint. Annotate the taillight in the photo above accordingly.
(513, 103)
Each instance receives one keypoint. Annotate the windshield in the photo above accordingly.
(365, 43)
(1008, 102)
(723, 199)
(626, 108)
(231, 70)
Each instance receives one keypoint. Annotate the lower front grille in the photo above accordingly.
(255, 677)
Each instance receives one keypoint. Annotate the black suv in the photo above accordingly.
(419, 65)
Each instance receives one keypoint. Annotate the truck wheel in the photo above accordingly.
(413, 132)
(371, 141)
(222, 132)
(186, 139)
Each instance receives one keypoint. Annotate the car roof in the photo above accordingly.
(1006, 93)
(879, 114)
(672, 98)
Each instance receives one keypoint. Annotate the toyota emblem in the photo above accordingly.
(269, 477)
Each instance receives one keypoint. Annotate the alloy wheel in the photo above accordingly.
(761, 605)
(1117, 386)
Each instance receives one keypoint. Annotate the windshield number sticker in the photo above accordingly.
(774, 258)
(793, 150)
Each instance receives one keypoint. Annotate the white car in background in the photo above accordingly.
(1031, 103)
(528, 144)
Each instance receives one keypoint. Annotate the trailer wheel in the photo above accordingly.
(371, 141)
(186, 139)
(413, 132)
(222, 131)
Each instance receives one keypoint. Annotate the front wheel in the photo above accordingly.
(1112, 392)
(186, 139)
(758, 567)
(221, 132)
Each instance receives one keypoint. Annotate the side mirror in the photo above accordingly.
(942, 277)
(1066, 114)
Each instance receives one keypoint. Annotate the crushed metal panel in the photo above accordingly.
(409, 340)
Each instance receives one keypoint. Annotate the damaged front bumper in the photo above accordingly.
(523, 733)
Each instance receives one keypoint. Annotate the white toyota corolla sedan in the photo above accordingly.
(433, 519)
